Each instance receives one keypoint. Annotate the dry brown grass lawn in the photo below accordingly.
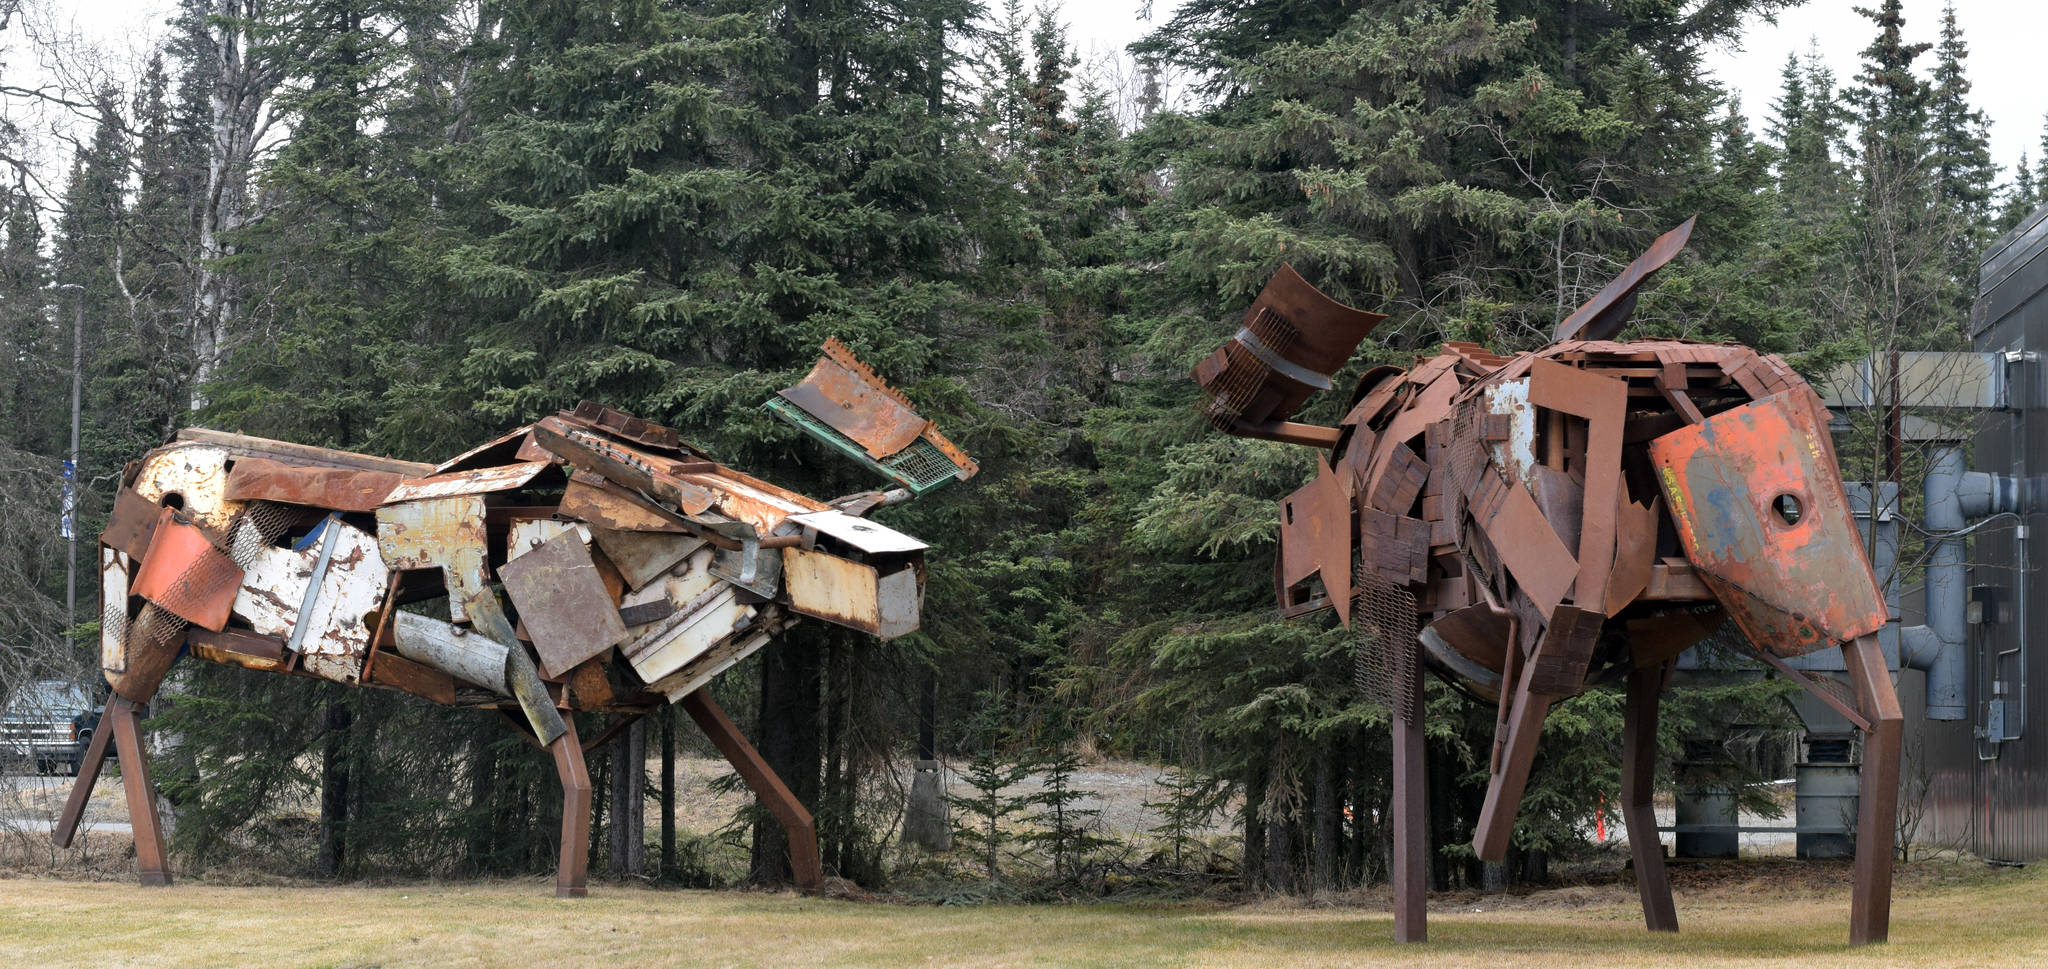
(1946, 915)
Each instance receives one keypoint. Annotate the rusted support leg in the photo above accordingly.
(1504, 790)
(1638, 784)
(1411, 810)
(1877, 801)
(573, 869)
(88, 776)
(151, 868)
(796, 821)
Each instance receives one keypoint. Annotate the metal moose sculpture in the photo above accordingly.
(638, 569)
(1530, 526)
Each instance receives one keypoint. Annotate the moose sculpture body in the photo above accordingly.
(1528, 527)
(637, 568)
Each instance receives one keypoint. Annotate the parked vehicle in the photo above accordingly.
(48, 725)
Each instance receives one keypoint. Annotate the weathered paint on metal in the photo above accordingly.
(185, 575)
(527, 534)
(642, 557)
(1793, 586)
(239, 647)
(456, 483)
(278, 590)
(114, 565)
(851, 594)
(131, 524)
(617, 422)
(683, 637)
(194, 477)
(592, 499)
(468, 656)
(339, 489)
(563, 603)
(443, 533)
(847, 396)
(871, 537)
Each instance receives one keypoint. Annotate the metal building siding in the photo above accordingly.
(1998, 805)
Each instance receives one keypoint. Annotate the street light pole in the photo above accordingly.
(71, 466)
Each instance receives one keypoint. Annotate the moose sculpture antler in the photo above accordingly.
(638, 569)
(1531, 526)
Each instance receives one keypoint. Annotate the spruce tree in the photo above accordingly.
(1964, 176)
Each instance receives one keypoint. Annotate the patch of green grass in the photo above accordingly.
(1959, 916)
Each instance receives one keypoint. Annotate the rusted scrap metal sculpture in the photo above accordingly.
(1531, 526)
(637, 568)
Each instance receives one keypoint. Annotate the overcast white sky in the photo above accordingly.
(2006, 39)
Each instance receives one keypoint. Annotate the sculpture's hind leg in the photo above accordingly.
(804, 863)
(1638, 783)
(1877, 791)
(151, 867)
(1410, 807)
(573, 868)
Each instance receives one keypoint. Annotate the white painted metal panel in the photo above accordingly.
(528, 534)
(113, 610)
(198, 475)
(688, 634)
(874, 538)
(337, 634)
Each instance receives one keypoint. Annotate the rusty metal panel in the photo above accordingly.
(621, 424)
(197, 474)
(278, 597)
(456, 483)
(185, 575)
(398, 673)
(851, 594)
(131, 524)
(239, 647)
(642, 557)
(498, 451)
(1316, 539)
(871, 537)
(339, 489)
(243, 446)
(1794, 586)
(593, 499)
(1528, 545)
(751, 500)
(563, 603)
(846, 395)
(1603, 316)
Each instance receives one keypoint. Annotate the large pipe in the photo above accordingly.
(1947, 589)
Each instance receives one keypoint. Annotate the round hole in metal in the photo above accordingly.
(1788, 508)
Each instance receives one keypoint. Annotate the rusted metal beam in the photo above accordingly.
(151, 862)
(795, 819)
(573, 866)
(1877, 791)
(1638, 787)
(88, 777)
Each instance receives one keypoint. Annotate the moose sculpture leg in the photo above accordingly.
(1411, 812)
(151, 865)
(573, 869)
(88, 778)
(1638, 783)
(1877, 791)
(796, 822)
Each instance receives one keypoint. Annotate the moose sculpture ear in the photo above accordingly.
(1603, 316)
(842, 403)
(1293, 340)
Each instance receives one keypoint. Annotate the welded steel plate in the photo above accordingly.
(563, 603)
(1763, 517)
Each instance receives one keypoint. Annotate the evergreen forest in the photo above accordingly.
(408, 226)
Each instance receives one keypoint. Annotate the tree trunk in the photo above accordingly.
(668, 792)
(483, 770)
(1254, 865)
(1325, 844)
(334, 784)
(628, 799)
(788, 741)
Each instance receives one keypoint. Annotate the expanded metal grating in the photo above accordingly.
(1384, 648)
(920, 467)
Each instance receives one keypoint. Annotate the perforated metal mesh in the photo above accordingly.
(920, 467)
(924, 464)
(1384, 648)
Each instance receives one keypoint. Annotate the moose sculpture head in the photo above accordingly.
(1531, 526)
(637, 569)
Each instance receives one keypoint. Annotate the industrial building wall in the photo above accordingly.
(1991, 794)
